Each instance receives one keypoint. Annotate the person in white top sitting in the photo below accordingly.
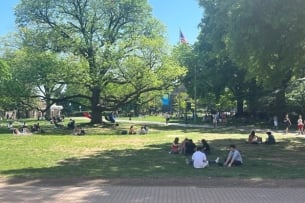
(199, 159)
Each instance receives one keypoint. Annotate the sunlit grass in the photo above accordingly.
(104, 152)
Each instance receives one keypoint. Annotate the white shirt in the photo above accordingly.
(199, 160)
(300, 121)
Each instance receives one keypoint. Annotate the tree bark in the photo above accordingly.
(96, 115)
(252, 101)
(240, 106)
(48, 110)
(280, 104)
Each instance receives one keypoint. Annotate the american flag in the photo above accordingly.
(182, 38)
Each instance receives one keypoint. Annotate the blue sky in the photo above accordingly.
(174, 14)
(178, 14)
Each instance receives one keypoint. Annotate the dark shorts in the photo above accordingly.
(237, 163)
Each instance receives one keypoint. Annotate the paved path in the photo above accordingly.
(245, 128)
(97, 191)
(163, 123)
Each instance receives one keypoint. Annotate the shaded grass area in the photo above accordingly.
(105, 153)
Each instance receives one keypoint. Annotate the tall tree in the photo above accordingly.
(264, 37)
(5, 75)
(218, 70)
(120, 41)
(37, 75)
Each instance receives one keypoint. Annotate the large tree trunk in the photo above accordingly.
(280, 104)
(95, 106)
(239, 99)
(240, 106)
(48, 106)
(252, 101)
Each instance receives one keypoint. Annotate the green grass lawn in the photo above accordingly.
(105, 153)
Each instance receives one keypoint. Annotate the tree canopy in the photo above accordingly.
(265, 39)
(122, 45)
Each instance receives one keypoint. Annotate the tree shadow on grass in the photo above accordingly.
(154, 161)
(152, 165)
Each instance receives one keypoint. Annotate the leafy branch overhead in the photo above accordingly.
(113, 51)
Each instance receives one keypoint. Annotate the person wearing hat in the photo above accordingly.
(270, 139)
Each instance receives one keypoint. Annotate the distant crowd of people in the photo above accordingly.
(24, 129)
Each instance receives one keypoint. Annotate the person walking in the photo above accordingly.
(300, 125)
(275, 122)
(287, 123)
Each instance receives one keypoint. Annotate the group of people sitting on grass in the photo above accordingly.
(24, 129)
(143, 130)
(200, 151)
(199, 158)
(187, 147)
(76, 130)
(254, 139)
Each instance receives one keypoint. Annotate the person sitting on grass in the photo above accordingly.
(234, 157)
(26, 131)
(142, 131)
(199, 159)
(10, 125)
(175, 146)
(252, 139)
(132, 130)
(71, 124)
(189, 147)
(111, 117)
(36, 128)
(145, 128)
(16, 131)
(183, 143)
(79, 131)
(205, 147)
(270, 139)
